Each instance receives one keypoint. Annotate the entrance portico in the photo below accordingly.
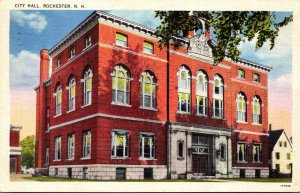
(199, 151)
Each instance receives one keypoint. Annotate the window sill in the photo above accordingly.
(84, 106)
(241, 162)
(150, 54)
(57, 160)
(149, 159)
(259, 162)
(240, 78)
(255, 82)
(242, 122)
(220, 118)
(204, 116)
(71, 58)
(183, 113)
(86, 48)
(122, 158)
(70, 111)
(180, 158)
(121, 104)
(149, 109)
(85, 158)
(257, 124)
(57, 115)
(121, 46)
(222, 160)
(70, 159)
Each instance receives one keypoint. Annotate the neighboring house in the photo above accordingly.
(280, 152)
(15, 149)
(111, 106)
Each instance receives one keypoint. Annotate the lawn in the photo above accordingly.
(55, 179)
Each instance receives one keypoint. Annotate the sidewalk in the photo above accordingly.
(19, 177)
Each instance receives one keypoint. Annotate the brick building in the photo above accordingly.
(110, 105)
(15, 149)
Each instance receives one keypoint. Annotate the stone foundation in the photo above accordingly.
(250, 172)
(108, 171)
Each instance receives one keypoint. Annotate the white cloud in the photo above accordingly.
(24, 69)
(34, 20)
(282, 48)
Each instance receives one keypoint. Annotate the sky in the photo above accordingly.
(31, 31)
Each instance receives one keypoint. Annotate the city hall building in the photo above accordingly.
(112, 105)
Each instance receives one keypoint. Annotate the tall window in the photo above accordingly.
(72, 52)
(222, 152)
(241, 110)
(184, 90)
(242, 152)
(180, 147)
(121, 40)
(147, 146)
(148, 47)
(147, 90)
(86, 144)
(256, 112)
(71, 146)
(58, 61)
(71, 94)
(218, 97)
(119, 144)
(88, 41)
(256, 152)
(201, 93)
(58, 96)
(120, 85)
(57, 149)
(87, 87)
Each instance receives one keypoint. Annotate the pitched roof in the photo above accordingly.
(274, 136)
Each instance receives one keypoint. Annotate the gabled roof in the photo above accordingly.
(274, 136)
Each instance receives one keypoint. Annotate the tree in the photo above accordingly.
(230, 28)
(27, 153)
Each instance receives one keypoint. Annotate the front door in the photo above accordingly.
(200, 163)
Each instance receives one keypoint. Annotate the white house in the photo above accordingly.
(280, 152)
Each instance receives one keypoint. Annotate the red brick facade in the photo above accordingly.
(102, 116)
(15, 149)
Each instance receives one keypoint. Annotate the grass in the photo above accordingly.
(55, 179)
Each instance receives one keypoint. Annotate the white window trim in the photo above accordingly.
(87, 75)
(122, 40)
(245, 152)
(218, 97)
(69, 88)
(259, 153)
(69, 147)
(126, 77)
(57, 140)
(84, 145)
(153, 93)
(255, 99)
(58, 105)
(152, 53)
(241, 114)
(72, 54)
(88, 43)
(153, 138)
(186, 91)
(114, 144)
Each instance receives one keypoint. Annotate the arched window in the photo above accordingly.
(241, 110)
(87, 87)
(256, 112)
(71, 94)
(58, 95)
(201, 93)
(120, 85)
(218, 97)
(184, 85)
(147, 90)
